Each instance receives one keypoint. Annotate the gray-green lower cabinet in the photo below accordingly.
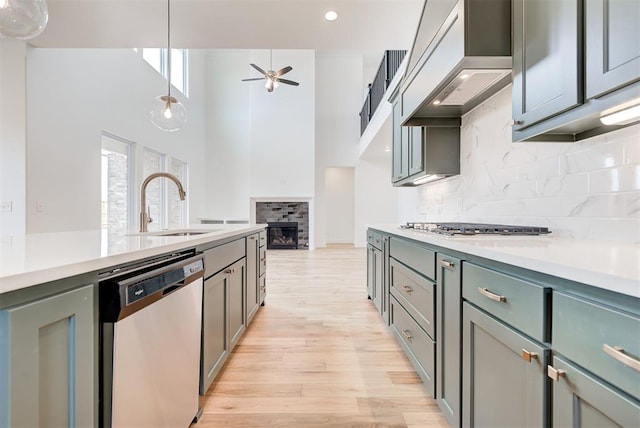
(448, 349)
(504, 375)
(215, 341)
(253, 275)
(581, 400)
(237, 312)
(47, 362)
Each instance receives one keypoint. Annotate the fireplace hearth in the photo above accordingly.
(282, 236)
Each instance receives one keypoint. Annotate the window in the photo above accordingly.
(157, 58)
(163, 202)
(116, 183)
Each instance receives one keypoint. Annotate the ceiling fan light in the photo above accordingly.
(167, 113)
(23, 19)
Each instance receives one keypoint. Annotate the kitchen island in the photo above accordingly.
(50, 324)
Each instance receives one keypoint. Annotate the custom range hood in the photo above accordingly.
(461, 55)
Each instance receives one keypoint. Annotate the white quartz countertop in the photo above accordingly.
(603, 264)
(33, 259)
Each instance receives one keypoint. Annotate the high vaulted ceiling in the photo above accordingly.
(232, 24)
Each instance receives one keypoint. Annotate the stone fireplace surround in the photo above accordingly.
(283, 210)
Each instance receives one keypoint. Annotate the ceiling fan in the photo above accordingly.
(273, 78)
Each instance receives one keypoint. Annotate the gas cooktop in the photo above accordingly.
(476, 229)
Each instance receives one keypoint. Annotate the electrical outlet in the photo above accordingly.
(6, 206)
(39, 207)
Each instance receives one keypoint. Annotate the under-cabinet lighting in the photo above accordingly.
(622, 117)
(428, 178)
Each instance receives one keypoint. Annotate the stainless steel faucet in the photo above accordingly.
(145, 217)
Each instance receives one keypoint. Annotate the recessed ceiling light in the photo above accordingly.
(331, 15)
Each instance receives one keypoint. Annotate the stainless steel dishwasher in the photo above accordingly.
(150, 328)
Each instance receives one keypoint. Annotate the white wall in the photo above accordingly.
(340, 204)
(338, 101)
(589, 189)
(12, 138)
(75, 94)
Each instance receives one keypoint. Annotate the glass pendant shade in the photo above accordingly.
(23, 19)
(167, 113)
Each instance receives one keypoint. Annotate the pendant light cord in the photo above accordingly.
(169, 45)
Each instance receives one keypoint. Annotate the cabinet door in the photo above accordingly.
(448, 337)
(612, 33)
(579, 400)
(50, 362)
(547, 58)
(377, 279)
(370, 272)
(383, 274)
(416, 150)
(500, 387)
(253, 283)
(236, 312)
(215, 342)
(400, 166)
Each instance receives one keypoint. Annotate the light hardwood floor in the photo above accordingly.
(318, 354)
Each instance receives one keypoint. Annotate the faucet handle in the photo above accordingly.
(149, 219)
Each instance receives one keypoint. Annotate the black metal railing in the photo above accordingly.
(388, 67)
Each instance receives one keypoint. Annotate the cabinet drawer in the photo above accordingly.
(415, 293)
(517, 302)
(582, 330)
(417, 344)
(375, 238)
(218, 258)
(263, 238)
(417, 257)
(262, 261)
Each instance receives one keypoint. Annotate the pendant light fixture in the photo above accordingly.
(167, 113)
(23, 19)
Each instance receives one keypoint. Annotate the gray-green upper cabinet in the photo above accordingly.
(612, 31)
(416, 144)
(504, 375)
(581, 400)
(400, 167)
(547, 57)
(47, 362)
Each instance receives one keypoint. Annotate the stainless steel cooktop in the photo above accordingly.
(476, 229)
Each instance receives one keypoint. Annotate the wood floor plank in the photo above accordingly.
(318, 354)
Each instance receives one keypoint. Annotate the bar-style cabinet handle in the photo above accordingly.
(447, 264)
(406, 333)
(407, 288)
(555, 374)
(619, 355)
(493, 296)
(528, 356)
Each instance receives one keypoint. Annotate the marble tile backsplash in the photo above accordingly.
(589, 189)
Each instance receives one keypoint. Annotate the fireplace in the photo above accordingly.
(282, 236)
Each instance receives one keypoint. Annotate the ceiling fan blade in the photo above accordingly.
(283, 71)
(288, 82)
(255, 78)
(258, 68)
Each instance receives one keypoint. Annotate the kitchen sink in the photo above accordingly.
(182, 233)
(178, 232)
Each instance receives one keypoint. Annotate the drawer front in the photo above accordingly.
(262, 261)
(600, 339)
(263, 238)
(374, 238)
(415, 293)
(417, 257)
(218, 258)
(519, 303)
(418, 345)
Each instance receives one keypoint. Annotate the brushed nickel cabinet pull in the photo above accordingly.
(228, 271)
(407, 288)
(447, 264)
(528, 356)
(406, 333)
(493, 296)
(252, 237)
(555, 374)
(619, 355)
